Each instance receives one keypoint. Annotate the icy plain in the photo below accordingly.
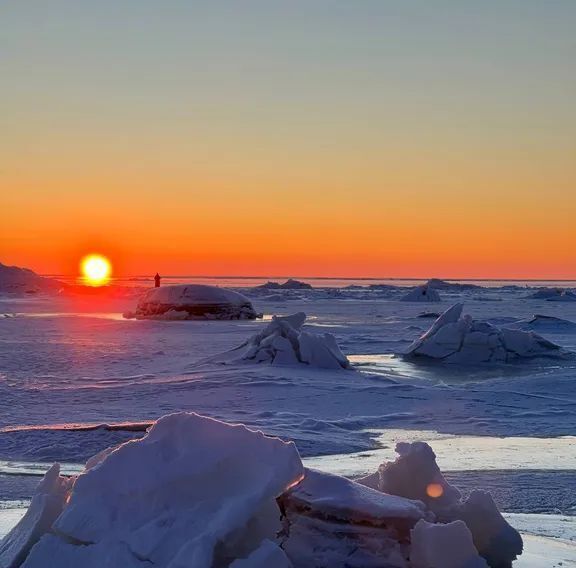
(76, 378)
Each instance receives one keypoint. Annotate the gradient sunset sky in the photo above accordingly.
(329, 138)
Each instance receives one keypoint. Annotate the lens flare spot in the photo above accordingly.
(434, 490)
(96, 269)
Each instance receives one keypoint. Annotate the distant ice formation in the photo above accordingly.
(197, 492)
(14, 279)
(554, 295)
(460, 339)
(192, 301)
(290, 284)
(424, 293)
(282, 342)
(438, 284)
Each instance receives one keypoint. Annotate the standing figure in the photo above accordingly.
(157, 280)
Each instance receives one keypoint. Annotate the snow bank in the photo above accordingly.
(423, 293)
(330, 521)
(45, 507)
(193, 492)
(456, 339)
(290, 284)
(282, 342)
(14, 279)
(193, 301)
(416, 475)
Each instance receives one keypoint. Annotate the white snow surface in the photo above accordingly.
(192, 301)
(193, 492)
(454, 338)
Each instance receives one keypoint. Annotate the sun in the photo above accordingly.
(96, 269)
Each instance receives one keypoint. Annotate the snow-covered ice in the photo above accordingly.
(283, 342)
(454, 338)
(193, 492)
(192, 301)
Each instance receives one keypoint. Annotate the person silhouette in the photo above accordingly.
(157, 280)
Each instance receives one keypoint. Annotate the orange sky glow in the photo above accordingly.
(434, 153)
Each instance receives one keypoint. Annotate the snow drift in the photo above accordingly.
(282, 342)
(460, 339)
(193, 301)
(196, 492)
(424, 293)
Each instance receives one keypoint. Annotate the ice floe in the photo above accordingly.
(192, 301)
(460, 339)
(283, 342)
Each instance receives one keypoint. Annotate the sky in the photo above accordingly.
(365, 138)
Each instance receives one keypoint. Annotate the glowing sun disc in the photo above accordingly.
(96, 269)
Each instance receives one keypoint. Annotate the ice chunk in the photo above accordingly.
(415, 475)
(443, 546)
(460, 339)
(494, 538)
(282, 342)
(47, 503)
(193, 301)
(192, 491)
(333, 522)
(424, 293)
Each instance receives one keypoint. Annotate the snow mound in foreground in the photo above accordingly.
(282, 342)
(192, 301)
(199, 493)
(193, 492)
(460, 339)
(416, 475)
(424, 293)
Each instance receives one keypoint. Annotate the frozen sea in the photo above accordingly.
(75, 377)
